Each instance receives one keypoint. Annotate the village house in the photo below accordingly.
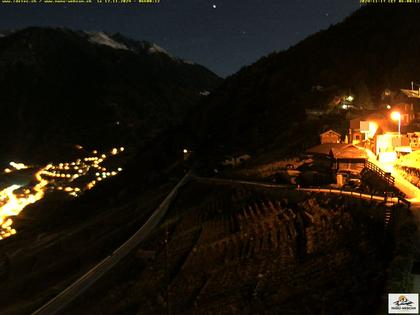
(409, 107)
(414, 140)
(343, 157)
(330, 136)
(366, 127)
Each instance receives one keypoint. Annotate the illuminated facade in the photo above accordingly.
(414, 140)
(361, 130)
(330, 136)
(410, 108)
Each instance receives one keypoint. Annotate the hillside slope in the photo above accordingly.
(60, 87)
(374, 49)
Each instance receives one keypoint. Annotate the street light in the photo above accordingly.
(397, 116)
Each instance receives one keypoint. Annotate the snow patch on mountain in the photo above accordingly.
(188, 62)
(115, 42)
(101, 38)
(157, 49)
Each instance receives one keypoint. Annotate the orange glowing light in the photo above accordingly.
(395, 116)
(12, 204)
(14, 198)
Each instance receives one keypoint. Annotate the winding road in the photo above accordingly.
(88, 279)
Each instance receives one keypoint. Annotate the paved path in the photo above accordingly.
(238, 181)
(412, 192)
(89, 278)
(316, 190)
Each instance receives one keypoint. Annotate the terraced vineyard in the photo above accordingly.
(408, 167)
(237, 250)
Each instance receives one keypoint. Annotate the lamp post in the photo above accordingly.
(397, 116)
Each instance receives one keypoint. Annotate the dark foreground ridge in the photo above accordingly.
(245, 251)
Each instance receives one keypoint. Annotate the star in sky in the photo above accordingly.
(214, 6)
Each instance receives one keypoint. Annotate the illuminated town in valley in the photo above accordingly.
(72, 178)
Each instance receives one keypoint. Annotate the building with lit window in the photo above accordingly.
(341, 156)
(363, 128)
(409, 107)
(330, 136)
(414, 140)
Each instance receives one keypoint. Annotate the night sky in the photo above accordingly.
(223, 35)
